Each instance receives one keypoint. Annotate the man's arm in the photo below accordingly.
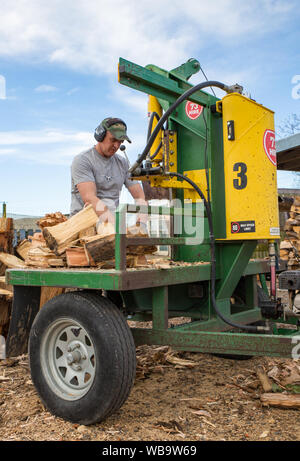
(88, 194)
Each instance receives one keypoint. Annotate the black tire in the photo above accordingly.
(86, 330)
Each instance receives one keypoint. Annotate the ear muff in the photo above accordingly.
(100, 131)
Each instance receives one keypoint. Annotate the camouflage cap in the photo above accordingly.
(117, 128)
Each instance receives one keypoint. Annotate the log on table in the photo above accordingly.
(61, 236)
(281, 400)
(102, 248)
(41, 257)
(11, 261)
(99, 248)
(77, 257)
(51, 219)
(23, 248)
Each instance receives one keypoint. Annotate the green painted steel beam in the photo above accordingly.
(89, 279)
(160, 307)
(119, 280)
(216, 324)
(147, 81)
(218, 343)
(235, 258)
(108, 279)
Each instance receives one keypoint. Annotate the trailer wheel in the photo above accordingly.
(82, 357)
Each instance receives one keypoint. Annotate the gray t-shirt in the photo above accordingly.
(109, 175)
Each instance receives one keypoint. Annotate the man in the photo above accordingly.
(99, 173)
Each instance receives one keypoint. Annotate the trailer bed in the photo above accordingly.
(132, 278)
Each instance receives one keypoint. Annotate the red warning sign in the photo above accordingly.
(193, 110)
(269, 145)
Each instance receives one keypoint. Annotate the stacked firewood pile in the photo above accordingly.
(75, 242)
(290, 245)
(6, 295)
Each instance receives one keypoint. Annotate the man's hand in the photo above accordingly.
(88, 192)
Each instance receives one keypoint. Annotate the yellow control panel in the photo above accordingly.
(251, 196)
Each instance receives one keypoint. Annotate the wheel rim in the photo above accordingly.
(68, 359)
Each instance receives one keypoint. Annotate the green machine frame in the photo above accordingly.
(179, 290)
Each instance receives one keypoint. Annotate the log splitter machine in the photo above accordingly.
(216, 159)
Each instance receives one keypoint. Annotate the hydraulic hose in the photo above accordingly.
(153, 115)
(251, 328)
(168, 112)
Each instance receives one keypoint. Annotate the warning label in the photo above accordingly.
(269, 145)
(240, 227)
(193, 110)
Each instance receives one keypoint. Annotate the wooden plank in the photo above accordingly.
(280, 400)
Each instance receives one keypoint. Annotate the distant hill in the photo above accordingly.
(21, 216)
(26, 223)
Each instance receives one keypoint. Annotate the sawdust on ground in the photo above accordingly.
(177, 396)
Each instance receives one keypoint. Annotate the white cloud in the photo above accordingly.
(56, 147)
(43, 137)
(72, 91)
(45, 89)
(90, 36)
(7, 151)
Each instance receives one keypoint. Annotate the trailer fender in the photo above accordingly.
(26, 304)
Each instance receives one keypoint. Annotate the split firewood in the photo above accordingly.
(51, 219)
(284, 255)
(5, 310)
(6, 224)
(6, 239)
(4, 285)
(264, 379)
(295, 209)
(110, 264)
(23, 248)
(61, 236)
(102, 248)
(37, 239)
(48, 293)
(140, 261)
(285, 203)
(76, 257)
(56, 262)
(88, 232)
(285, 245)
(39, 257)
(11, 261)
(280, 400)
(7, 294)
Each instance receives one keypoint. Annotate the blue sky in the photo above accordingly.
(59, 61)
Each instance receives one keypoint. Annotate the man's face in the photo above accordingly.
(109, 145)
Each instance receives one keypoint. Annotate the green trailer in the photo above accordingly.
(81, 345)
